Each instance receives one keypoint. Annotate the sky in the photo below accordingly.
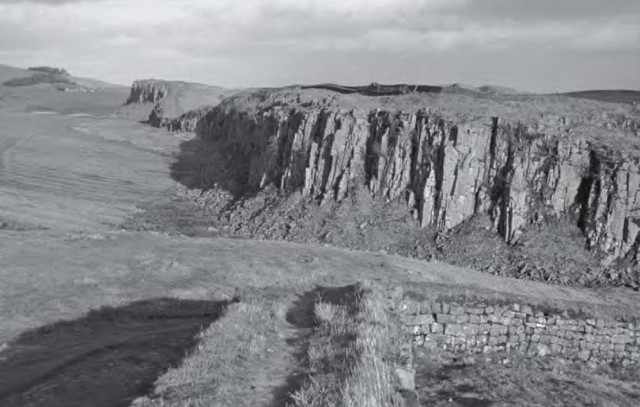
(531, 45)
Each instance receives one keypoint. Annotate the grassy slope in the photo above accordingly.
(115, 268)
(87, 270)
(517, 380)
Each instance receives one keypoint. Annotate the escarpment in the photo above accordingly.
(160, 102)
(519, 173)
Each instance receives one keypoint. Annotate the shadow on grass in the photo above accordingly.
(106, 359)
(302, 316)
(202, 164)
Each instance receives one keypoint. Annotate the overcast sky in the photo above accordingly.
(535, 45)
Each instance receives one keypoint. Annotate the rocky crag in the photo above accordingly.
(521, 162)
(159, 102)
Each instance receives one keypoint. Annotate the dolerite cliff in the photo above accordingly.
(160, 102)
(520, 160)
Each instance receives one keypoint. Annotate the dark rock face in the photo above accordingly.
(162, 103)
(148, 91)
(446, 172)
(519, 161)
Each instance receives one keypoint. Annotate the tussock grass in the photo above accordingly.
(350, 352)
(234, 351)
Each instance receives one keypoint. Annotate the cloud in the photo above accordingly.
(548, 10)
(159, 34)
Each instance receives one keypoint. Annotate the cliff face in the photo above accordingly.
(445, 171)
(161, 102)
(148, 91)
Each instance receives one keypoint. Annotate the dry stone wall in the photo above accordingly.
(482, 328)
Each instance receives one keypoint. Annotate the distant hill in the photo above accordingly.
(57, 77)
(612, 95)
(50, 70)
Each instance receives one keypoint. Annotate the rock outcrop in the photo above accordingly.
(447, 169)
(159, 102)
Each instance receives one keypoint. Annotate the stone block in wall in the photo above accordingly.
(619, 348)
(545, 339)
(445, 319)
(489, 310)
(462, 319)
(555, 348)
(408, 307)
(526, 309)
(469, 329)
(474, 310)
(475, 319)
(445, 308)
(416, 319)
(621, 339)
(484, 329)
(436, 308)
(539, 349)
(539, 314)
(498, 319)
(592, 346)
(437, 328)
(425, 308)
(512, 346)
(456, 309)
(600, 323)
(458, 341)
(453, 329)
(604, 347)
(540, 331)
(497, 330)
(508, 313)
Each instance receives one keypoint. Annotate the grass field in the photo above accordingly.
(70, 174)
